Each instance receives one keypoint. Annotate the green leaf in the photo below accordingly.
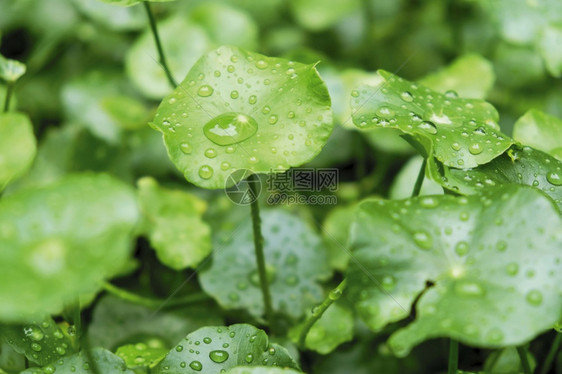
(132, 2)
(174, 225)
(11, 70)
(550, 48)
(141, 354)
(460, 75)
(403, 184)
(41, 342)
(332, 329)
(507, 361)
(295, 262)
(261, 370)
(10, 360)
(116, 322)
(111, 17)
(208, 26)
(317, 15)
(128, 113)
(17, 146)
(238, 109)
(105, 361)
(335, 232)
(463, 132)
(541, 131)
(493, 260)
(525, 166)
(61, 240)
(212, 349)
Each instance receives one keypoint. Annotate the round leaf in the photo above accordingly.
(61, 240)
(174, 225)
(493, 260)
(17, 146)
(238, 109)
(11, 70)
(105, 361)
(541, 131)
(463, 132)
(295, 262)
(212, 349)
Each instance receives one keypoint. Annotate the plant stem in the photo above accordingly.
(9, 90)
(453, 356)
(319, 310)
(419, 180)
(161, 54)
(522, 352)
(551, 354)
(152, 303)
(258, 247)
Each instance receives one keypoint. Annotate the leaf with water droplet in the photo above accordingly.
(174, 225)
(526, 166)
(38, 341)
(241, 133)
(11, 70)
(141, 354)
(475, 296)
(432, 118)
(335, 327)
(224, 347)
(106, 362)
(295, 258)
(61, 240)
(541, 131)
(17, 146)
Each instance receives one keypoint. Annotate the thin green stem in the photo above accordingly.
(551, 354)
(419, 180)
(453, 357)
(319, 310)
(258, 247)
(150, 302)
(9, 90)
(522, 352)
(161, 54)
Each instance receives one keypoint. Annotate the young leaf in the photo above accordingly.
(540, 131)
(238, 109)
(174, 225)
(11, 70)
(116, 322)
(464, 132)
(525, 166)
(41, 342)
(61, 240)
(212, 349)
(142, 355)
(492, 262)
(17, 146)
(261, 370)
(105, 361)
(295, 262)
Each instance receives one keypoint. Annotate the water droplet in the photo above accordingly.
(196, 365)
(388, 282)
(207, 340)
(475, 149)
(407, 97)
(534, 297)
(249, 358)
(451, 94)
(179, 348)
(501, 246)
(480, 131)
(423, 239)
(428, 127)
(230, 128)
(172, 100)
(355, 93)
(261, 64)
(385, 112)
(225, 165)
(468, 288)
(456, 146)
(252, 99)
(210, 153)
(218, 356)
(461, 248)
(273, 119)
(512, 268)
(554, 178)
(429, 202)
(36, 347)
(234, 94)
(206, 172)
(230, 68)
(186, 148)
(495, 335)
(205, 90)
(34, 333)
(335, 294)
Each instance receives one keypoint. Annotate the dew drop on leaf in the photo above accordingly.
(512, 268)
(230, 128)
(196, 365)
(205, 90)
(475, 149)
(467, 288)
(534, 297)
(554, 178)
(218, 356)
(428, 127)
(407, 97)
(423, 239)
(206, 172)
(461, 248)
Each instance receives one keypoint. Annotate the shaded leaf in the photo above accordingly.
(493, 261)
(507, 361)
(403, 184)
(540, 131)
(211, 349)
(463, 132)
(11, 70)
(335, 231)
(295, 262)
(141, 354)
(317, 15)
(61, 240)
(238, 109)
(174, 225)
(128, 113)
(17, 146)
(549, 48)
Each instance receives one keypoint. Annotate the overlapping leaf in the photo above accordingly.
(238, 109)
(17, 146)
(540, 131)
(295, 262)
(493, 262)
(174, 225)
(61, 240)
(212, 349)
(463, 132)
